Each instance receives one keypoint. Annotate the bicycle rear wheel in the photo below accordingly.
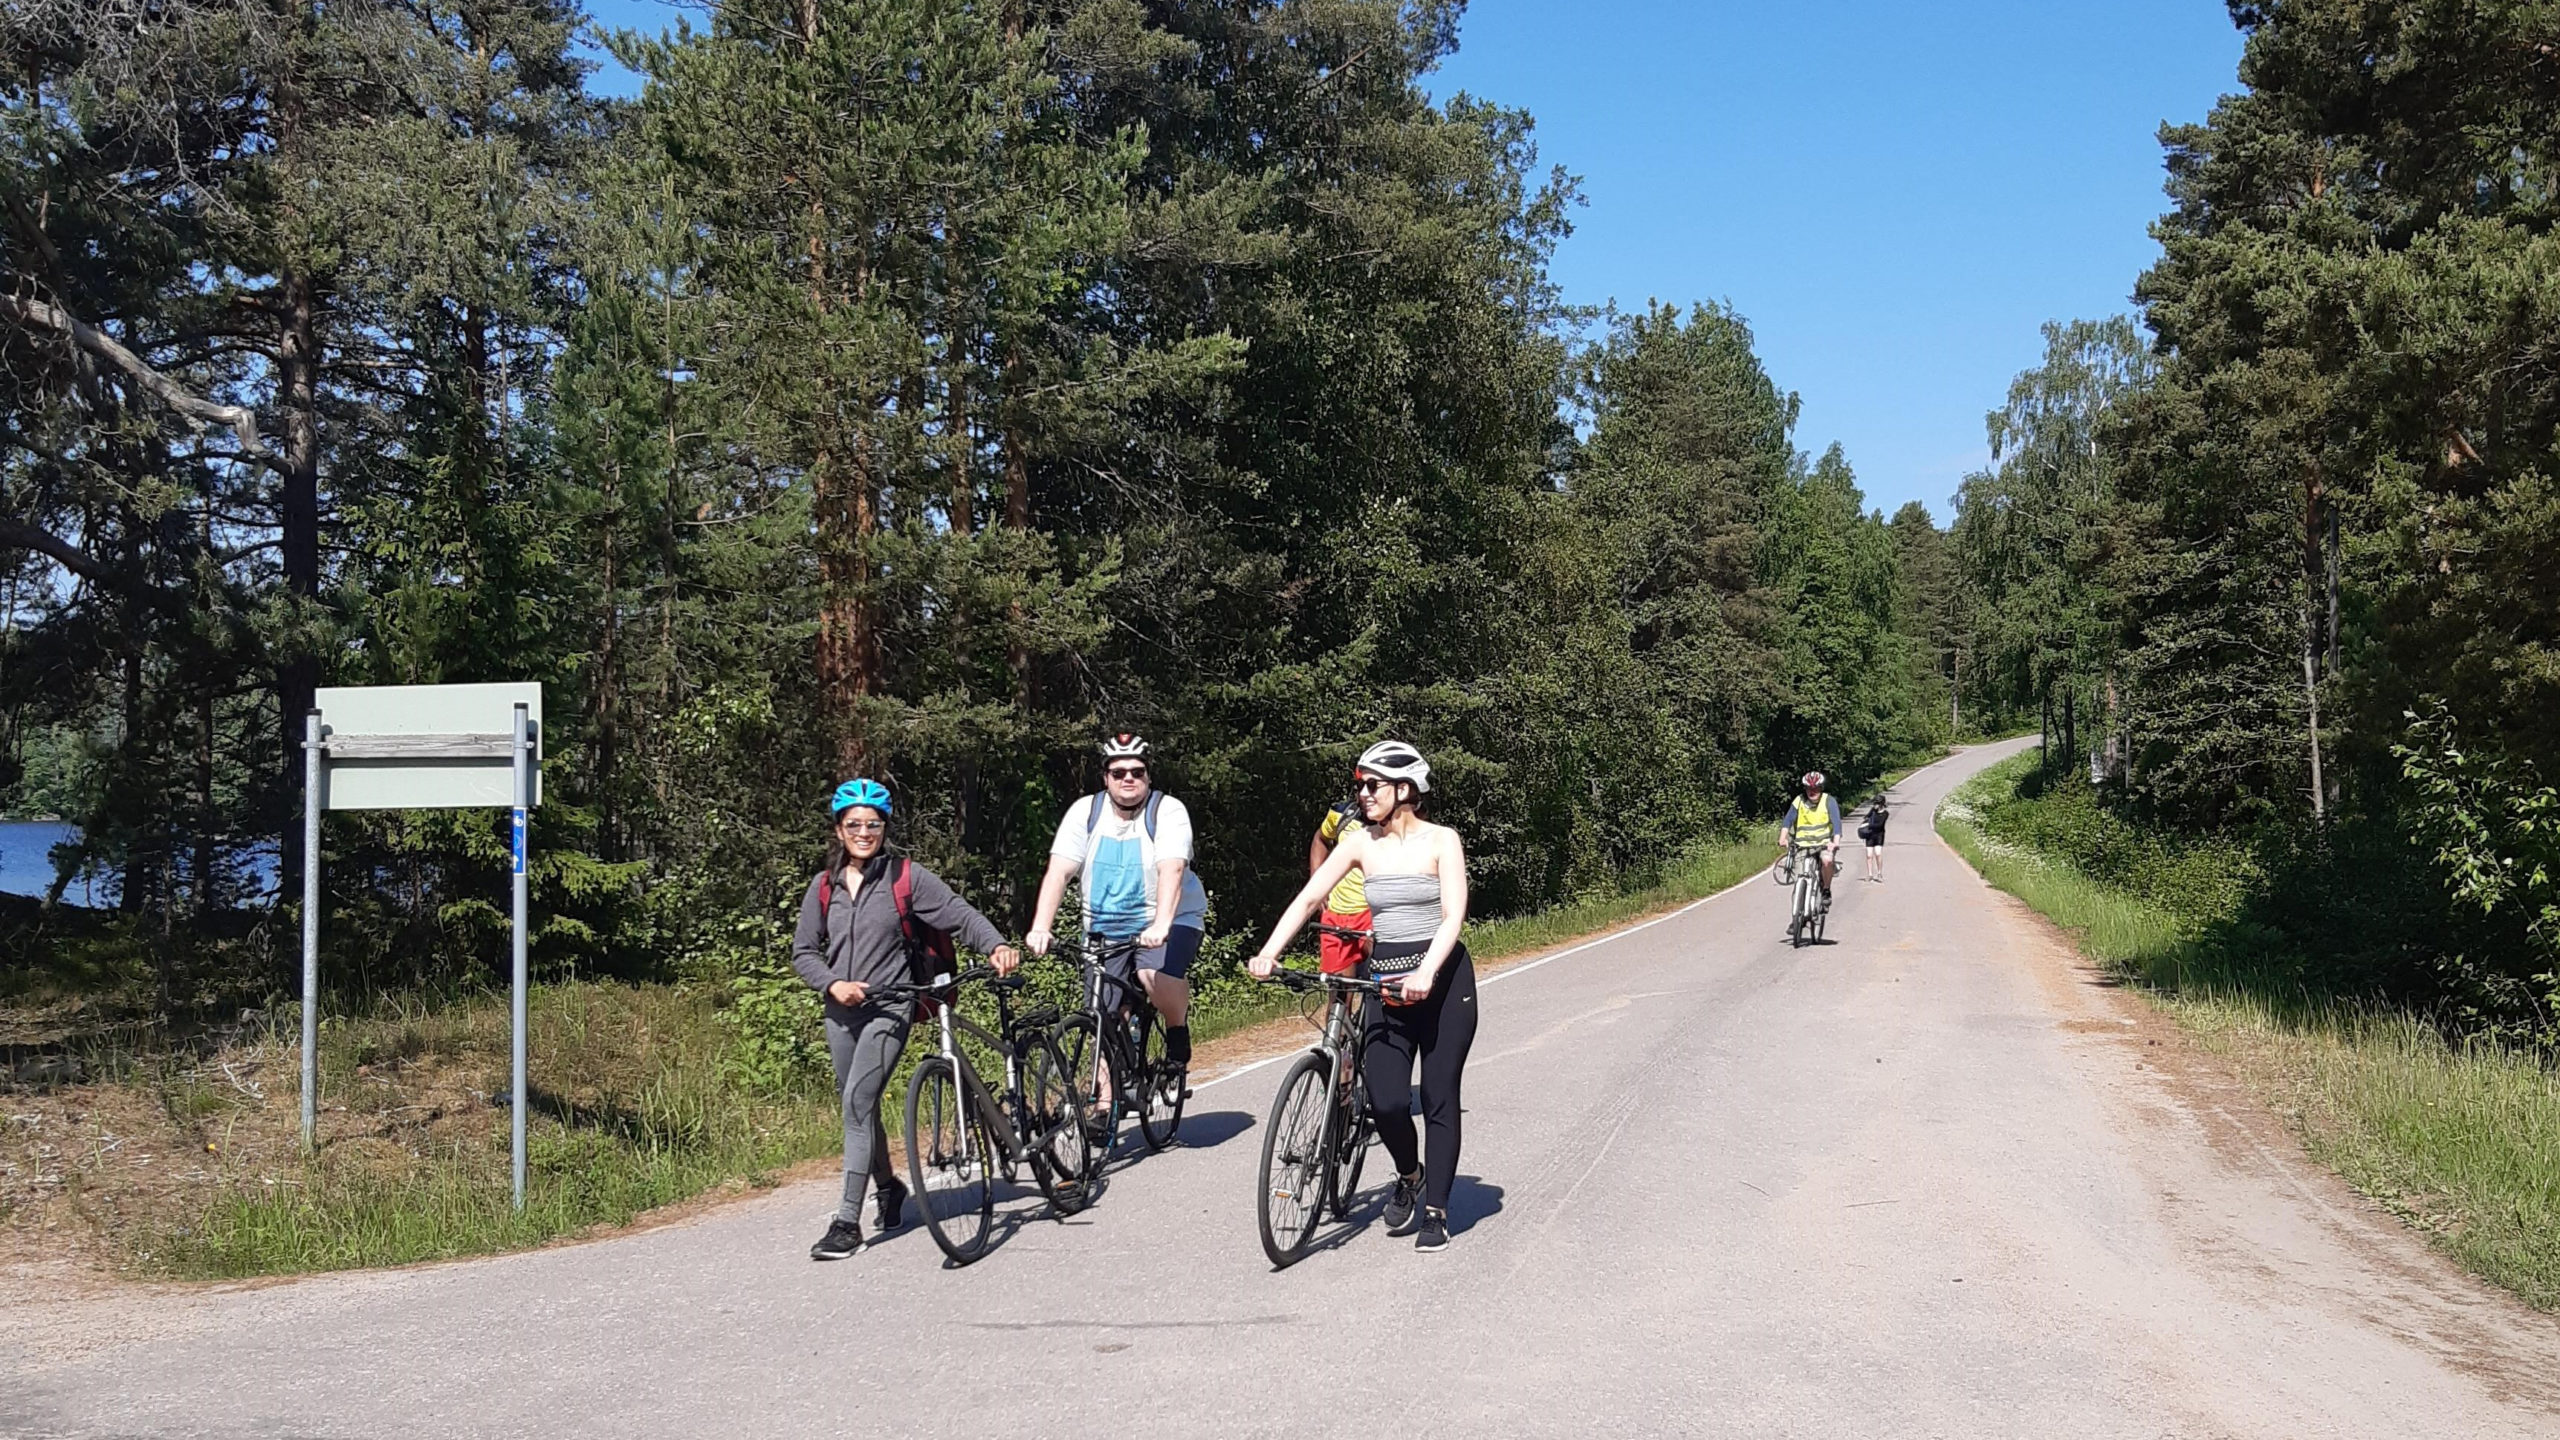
(1161, 1083)
(1053, 1125)
(1291, 1196)
(951, 1162)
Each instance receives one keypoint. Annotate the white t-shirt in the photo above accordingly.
(1119, 862)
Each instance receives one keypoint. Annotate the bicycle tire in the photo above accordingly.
(1076, 1037)
(1053, 1126)
(950, 1162)
(1289, 1199)
(1160, 1085)
(1350, 1148)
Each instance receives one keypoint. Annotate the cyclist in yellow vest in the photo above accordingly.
(1813, 820)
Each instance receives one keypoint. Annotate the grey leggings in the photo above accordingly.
(864, 1043)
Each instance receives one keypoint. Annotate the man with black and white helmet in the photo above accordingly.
(1130, 848)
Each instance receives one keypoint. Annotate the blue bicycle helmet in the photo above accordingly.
(869, 793)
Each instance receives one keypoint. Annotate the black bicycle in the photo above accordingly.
(961, 1134)
(1115, 1050)
(1319, 1131)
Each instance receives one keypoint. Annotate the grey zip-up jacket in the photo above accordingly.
(857, 937)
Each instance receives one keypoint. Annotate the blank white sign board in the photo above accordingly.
(377, 776)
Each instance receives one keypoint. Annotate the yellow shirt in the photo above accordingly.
(1350, 894)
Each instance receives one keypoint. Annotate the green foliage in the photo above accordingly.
(773, 1017)
(907, 388)
(2494, 828)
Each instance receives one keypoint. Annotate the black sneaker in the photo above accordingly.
(892, 1202)
(841, 1242)
(1434, 1234)
(1400, 1205)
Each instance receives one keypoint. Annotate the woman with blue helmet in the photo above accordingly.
(853, 935)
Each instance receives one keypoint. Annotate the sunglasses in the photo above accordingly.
(863, 827)
(1127, 772)
(1371, 785)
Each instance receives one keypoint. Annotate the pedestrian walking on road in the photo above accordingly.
(1871, 834)
(1346, 905)
(870, 920)
(1417, 892)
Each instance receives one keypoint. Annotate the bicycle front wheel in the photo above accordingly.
(1349, 1147)
(951, 1161)
(1291, 1196)
(1162, 1082)
(1053, 1125)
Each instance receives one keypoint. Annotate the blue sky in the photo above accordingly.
(1894, 194)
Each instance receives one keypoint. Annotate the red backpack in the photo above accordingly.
(930, 952)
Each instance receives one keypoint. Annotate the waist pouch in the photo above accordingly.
(1394, 960)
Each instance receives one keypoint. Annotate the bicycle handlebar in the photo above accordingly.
(1301, 980)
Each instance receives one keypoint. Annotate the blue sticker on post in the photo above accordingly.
(519, 839)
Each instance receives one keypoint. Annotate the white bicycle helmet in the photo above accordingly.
(1395, 760)
(1124, 746)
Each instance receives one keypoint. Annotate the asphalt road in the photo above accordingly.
(1932, 1178)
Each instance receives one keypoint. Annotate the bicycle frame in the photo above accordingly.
(1017, 1147)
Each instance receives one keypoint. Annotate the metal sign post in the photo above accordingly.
(418, 747)
(312, 760)
(522, 731)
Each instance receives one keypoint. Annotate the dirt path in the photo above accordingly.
(1933, 1179)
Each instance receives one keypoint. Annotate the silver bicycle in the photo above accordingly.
(1801, 867)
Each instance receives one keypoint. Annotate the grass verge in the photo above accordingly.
(1705, 872)
(188, 1164)
(2461, 1139)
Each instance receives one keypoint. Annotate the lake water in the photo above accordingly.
(26, 863)
(26, 866)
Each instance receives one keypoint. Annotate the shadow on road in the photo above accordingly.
(1204, 1132)
(1019, 1205)
(1471, 1200)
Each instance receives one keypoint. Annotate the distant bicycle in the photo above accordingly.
(961, 1134)
(1802, 868)
(1319, 1132)
(1115, 1053)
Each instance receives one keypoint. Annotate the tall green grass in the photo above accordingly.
(2460, 1138)
(635, 1107)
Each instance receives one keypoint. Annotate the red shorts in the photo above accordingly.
(1335, 954)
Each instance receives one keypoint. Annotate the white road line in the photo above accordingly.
(1506, 974)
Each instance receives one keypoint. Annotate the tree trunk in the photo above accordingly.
(2333, 587)
(2311, 706)
(2071, 722)
(2318, 620)
(605, 703)
(297, 669)
(1017, 518)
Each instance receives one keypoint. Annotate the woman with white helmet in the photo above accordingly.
(1417, 887)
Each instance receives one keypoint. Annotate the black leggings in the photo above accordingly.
(1440, 1029)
